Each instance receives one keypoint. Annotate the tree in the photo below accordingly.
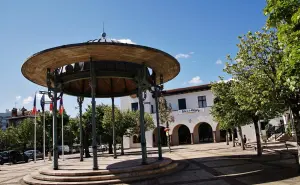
(165, 111)
(226, 111)
(72, 132)
(284, 16)
(25, 133)
(165, 115)
(87, 127)
(125, 126)
(254, 69)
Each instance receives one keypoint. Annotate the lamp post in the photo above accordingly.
(44, 127)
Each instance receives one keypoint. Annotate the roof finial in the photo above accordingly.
(103, 33)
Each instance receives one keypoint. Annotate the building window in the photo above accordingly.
(181, 104)
(202, 101)
(152, 109)
(134, 106)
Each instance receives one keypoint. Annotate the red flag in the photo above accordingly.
(61, 106)
(51, 106)
(34, 106)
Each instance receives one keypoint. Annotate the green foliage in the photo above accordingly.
(165, 111)
(284, 16)
(226, 111)
(256, 88)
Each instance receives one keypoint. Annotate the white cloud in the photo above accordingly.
(28, 100)
(229, 79)
(18, 98)
(182, 55)
(126, 41)
(195, 80)
(219, 61)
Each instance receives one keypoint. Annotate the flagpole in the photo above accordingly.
(62, 134)
(35, 131)
(44, 147)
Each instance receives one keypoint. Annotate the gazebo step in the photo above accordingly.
(79, 172)
(110, 176)
(40, 179)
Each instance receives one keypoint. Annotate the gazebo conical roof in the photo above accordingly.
(116, 66)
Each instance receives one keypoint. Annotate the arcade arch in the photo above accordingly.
(163, 136)
(181, 135)
(203, 133)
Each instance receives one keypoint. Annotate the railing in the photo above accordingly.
(277, 131)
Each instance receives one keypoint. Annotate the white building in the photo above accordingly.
(193, 122)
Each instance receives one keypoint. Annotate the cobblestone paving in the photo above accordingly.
(205, 164)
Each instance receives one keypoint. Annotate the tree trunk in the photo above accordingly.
(122, 146)
(258, 142)
(296, 121)
(233, 139)
(227, 138)
(85, 145)
(110, 149)
(241, 137)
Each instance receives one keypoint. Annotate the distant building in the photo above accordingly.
(193, 122)
(17, 116)
(3, 119)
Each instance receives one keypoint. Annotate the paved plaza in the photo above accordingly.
(203, 164)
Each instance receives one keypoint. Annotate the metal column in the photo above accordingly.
(142, 126)
(93, 93)
(80, 101)
(157, 122)
(55, 151)
(113, 125)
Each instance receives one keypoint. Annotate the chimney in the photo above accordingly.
(14, 112)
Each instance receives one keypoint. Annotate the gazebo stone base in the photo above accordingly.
(117, 173)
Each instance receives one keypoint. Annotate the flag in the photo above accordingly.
(61, 106)
(34, 106)
(43, 102)
(51, 106)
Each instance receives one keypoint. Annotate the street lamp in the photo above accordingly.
(44, 119)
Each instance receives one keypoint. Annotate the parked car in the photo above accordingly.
(15, 157)
(66, 149)
(1, 160)
(4, 156)
(30, 154)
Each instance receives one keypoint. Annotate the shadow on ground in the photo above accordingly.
(235, 170)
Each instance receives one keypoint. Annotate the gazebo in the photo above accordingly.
(101, 68)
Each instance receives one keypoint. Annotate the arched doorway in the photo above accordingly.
(163, 137)
(220, 134)
(205, 133)
(184, 135)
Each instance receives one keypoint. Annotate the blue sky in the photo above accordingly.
(200, 33)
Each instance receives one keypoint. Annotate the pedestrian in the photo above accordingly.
(245, 140)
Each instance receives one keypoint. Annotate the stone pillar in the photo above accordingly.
(214, 136)
(192, 138)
